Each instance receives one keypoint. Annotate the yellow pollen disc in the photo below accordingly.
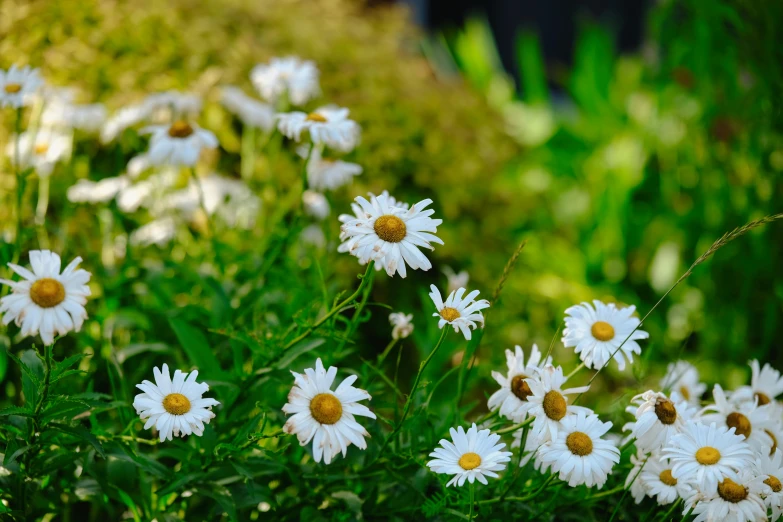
(774, 442)
(666, 478)
(326, 408)
(740, 423)
(180, 129)
(469, 461)
(41, 148)
(449, 313)
(731, 491)
(390, 228)
(602, 331)
(579, 443)
(520, 388)
(666, 411)
(12, 88)
(176, 404)
(685, 392)
(762, 398)
(707, 455)
(774, 483)
(554, 405)
(47, 292)
(316, 117)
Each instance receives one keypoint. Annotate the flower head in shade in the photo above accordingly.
(771, 471)
(704, 455)
(682, 379)
(178, 144)
(736, 499)
(291, 76)
(329, 126)
(315, 204)
(250, 111)
(389, 233)
(324, 416)
(41, 150)
(597, 331)
(329, 174)
(550, 404)
(765, 385)
(402, 325)
(578, 453)
(455, 279)
(17, 85)
(45, 301)
(175, 407)
(747, 419)
(473, 455)
(659, 482)
(460, 311)
(658, 418)
(512, 396)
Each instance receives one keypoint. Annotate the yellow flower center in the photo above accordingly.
(707, 455)
(13, 88)
(47, 292)
(730, 491)
(554, 405)
(762, 398)
(579, 443)
(685, 392)
(774, 442)
(773, 483)
(520, 388)
(180, 129)
(740, 423)
(390, 228)
(449, 313)
(666, 478)
(176, 404)
(602, 331)
(41, 148)
(316, 117)
(469, 461)
(665, 410)
(326, 408)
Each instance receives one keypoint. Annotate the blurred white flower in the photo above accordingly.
(86, 191)
(327, 125)
(473, 455)
(462, 313)
(229, 198)
(290, 76)
(682, 379)
(123, 119)
(158, 108)
(41, 149)
(313, 235)
(765, 385)
(402, 325)
(328, 173)
(180, 143)
(315, 204)
(748, 419)
(158, 232)
(62, 112)
(455, 280)
(251, 112)
(17, 85)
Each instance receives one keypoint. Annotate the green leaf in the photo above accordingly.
(295, 351)
(14, 410)
(64, 408)
(196, 346)
(82, 434)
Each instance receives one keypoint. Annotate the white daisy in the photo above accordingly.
(657, 419)
(765, 385)
(61, 111)
(659, 482)
(86, 191)
(455, 279)
(175, 407)
(771, 470)
(596, 333)
(46, 302)
(172, 105)
(578, 453)
(324, 416)
(530, 449)
(291, 76)
(512, 396)
(17, 85)
(158, 232)
(41, 150)
(633, 480)
(748, 419)
(402, 325)
(736, 499)
(328, 125)
(550, 404)
(315, 204)
(462, 313)
(473, 455)
(392, 234)
(703, 455)
(329, 174)
(251, 112)
(682, 381)
(123, 119)
(178, 144)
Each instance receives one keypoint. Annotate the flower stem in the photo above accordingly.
(20, 186)
(515, 427)
(385, 352)
(574, 372)
(472, 499)
(202, 201)
(47, 379)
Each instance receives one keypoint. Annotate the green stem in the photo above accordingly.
(582, 365)
(47, 379)
(128, 438)
(202, 201)
(385, 352)
(248, 158)
(20, 185)
(515, 427)
(619, 502)
(472, 499)
(521, 499)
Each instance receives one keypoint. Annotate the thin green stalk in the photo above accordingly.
(515, 427)
(626, 490)
(472, 499)
(248, 157)
(671, 510)
(20, 185)
(128, 438)
(202, 200)
(385, 352)
(582, 365)
(47, 379)
(527, 498)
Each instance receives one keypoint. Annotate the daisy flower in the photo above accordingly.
(402, 325)
(455, 279)
(251, 112)
(765, 385)
(748, 420)
(41, 150)
(598, 332)
(178, 144)
(473, 455)
(103, 191)
(290, 76)
(682, 380)
(175, 407)
(462, 313)
(327, 125)
(60, 111)
(634, 479)
(772, 468)
(158, 232)
(578, 453)
(329, 174)
(703, 455)
(324, 416)
(512, 396)
(46, 302)
(387, 232)
(315, 204)
(736, 499)
(659, 482)
(123, 119)
(17, 85)
(172, 105)
(657, 419)
(550, 404)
